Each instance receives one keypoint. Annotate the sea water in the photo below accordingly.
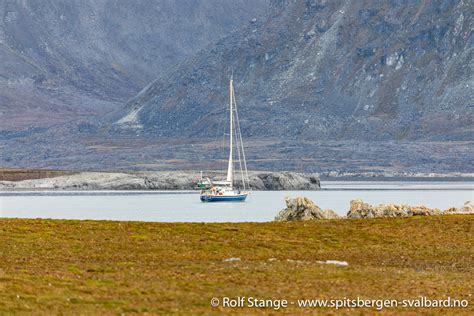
(185, 206)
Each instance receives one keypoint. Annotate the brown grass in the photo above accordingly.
(11, 174)
(104, 267)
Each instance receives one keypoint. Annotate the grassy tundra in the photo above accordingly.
(105, 267)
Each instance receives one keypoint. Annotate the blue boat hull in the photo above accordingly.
(223, 198)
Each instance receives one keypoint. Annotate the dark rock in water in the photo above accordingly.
(303, 209)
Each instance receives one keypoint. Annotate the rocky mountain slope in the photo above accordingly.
(61, 60)
(382, 87)
(326, 70)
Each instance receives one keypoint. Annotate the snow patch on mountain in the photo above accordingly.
(130, 120)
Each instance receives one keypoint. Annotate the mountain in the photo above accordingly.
(326, 70)
(63, 60)
(321, 86)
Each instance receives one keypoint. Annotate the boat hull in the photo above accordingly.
(223, 198)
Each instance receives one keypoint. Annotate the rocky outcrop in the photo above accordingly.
(303, 209)
(159, 181)
(467, 208)
(360, 209)
(282, 180)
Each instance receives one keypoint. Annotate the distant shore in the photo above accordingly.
(437, 177)
(161, 180)
(20, 179)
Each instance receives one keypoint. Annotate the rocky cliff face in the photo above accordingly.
(64, 59)
(327, 70)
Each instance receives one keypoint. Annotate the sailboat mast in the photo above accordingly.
(230, 171)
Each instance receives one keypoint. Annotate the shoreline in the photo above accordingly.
(440, 178)
(56, 191)
(161, 180)
(39, 179)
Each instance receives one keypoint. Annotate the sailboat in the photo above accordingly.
(229, 190)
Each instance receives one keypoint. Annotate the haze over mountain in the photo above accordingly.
(60, 60)
(328, 70)
(320, 85)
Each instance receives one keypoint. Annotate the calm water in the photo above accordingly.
(186, 207)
